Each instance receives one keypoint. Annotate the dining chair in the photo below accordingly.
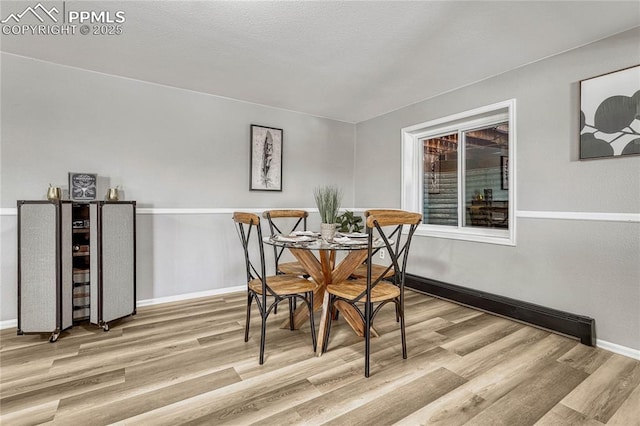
(286, 218)
(368, 295)
(260, 286)
(290, 221)
(376, 270)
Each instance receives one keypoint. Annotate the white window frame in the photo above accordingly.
(412, 171)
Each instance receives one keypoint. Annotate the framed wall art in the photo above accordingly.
(82, 186)
(266, 158)
(609, 120)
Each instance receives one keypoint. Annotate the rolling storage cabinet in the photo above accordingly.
(76, 262)
(113, 263)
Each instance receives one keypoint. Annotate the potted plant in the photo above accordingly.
(328, 199)
(348, 222)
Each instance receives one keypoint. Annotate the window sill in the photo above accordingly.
(486, 236)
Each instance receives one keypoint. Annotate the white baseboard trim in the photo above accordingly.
(619, 349)
(187, 296)
(8, 324)
(13, 323)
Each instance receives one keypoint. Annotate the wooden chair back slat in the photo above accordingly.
(285, 213)
(391, 218)
(246, 218)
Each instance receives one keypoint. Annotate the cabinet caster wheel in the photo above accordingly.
(105, 327)
(54, 337)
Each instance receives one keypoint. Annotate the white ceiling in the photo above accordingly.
(349, 61)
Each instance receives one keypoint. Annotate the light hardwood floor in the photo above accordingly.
(187, 363)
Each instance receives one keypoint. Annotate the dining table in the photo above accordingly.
(318, 257)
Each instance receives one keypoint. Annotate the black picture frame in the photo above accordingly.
(83, 186)
(504, 172)
(265, 162)
(608, 114)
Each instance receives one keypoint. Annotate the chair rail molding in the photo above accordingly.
(589, 216)
(529, 214)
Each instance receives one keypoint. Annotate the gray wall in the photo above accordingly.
(171, 148)
(167, 148)
(587, 267)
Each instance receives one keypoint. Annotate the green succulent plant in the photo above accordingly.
(349, 222)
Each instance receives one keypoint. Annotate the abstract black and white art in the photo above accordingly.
(610, 114)
(266, 158)
(82, 186)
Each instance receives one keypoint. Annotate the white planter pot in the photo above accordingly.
(327, 231)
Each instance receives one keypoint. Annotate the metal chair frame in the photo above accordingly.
(246, 224)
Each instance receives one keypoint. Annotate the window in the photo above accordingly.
(458, 171)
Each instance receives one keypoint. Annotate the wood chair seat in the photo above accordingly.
(284, 285)
(292, 268)
(376, 271)
(353, 288)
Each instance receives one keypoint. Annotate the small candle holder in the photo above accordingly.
(54, 193)
(112, 194)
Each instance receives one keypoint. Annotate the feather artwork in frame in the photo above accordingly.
(266, 158)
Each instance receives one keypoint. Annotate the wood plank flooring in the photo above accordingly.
(187, 363)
